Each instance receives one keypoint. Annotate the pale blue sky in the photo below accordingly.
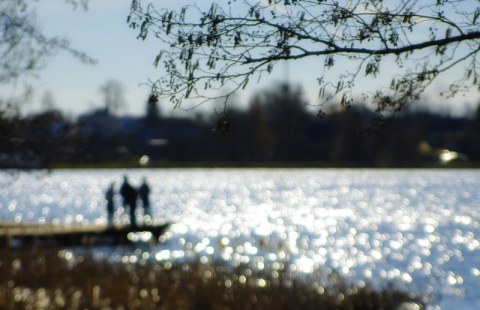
(103, 33)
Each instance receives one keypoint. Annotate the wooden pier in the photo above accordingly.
(22, 234)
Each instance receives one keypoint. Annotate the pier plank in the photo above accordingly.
(18, 234)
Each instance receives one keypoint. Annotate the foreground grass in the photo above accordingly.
(50, 279)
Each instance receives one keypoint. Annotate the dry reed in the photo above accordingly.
(46, 278)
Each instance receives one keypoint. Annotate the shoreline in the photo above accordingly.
(322, 165)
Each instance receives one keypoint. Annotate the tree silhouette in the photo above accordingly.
(350, 144)
(288, 119)
(223, 46)
(113, 95)
(48, 101)
(25, 49)
(152, 114)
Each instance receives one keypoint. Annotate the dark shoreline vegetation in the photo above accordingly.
(275, 130)
(50, 278)
(133, 164)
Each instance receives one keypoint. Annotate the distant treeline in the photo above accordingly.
(276, 129)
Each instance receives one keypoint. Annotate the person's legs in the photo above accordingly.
(133, 218)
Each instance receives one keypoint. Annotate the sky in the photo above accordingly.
(103, 33)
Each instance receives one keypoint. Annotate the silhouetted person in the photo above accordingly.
(110, 206)
(129, 195)
(144, 192)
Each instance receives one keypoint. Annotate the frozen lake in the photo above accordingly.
(417, 228)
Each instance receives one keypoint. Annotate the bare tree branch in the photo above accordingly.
(24, 48)
(220, 47)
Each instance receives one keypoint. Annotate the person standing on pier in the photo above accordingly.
(144, 192)
(129, 195)
(110, 206)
